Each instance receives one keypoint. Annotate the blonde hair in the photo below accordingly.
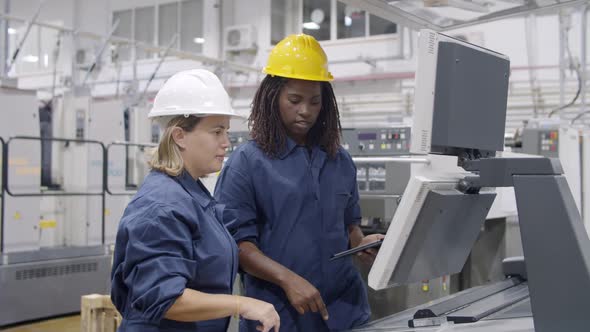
(166, 157)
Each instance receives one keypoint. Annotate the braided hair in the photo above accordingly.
(267, 129)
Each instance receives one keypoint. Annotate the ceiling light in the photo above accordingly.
(30, 58)
(347, 21)
(311, 26)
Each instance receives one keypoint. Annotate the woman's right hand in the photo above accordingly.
(303, 296)
(261, 311)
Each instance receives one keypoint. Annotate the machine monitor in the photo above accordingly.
(460, 97)
(432, 232)
(460, 107)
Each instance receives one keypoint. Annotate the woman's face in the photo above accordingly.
(203, 148)
(300, 103)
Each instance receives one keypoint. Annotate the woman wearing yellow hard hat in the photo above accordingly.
(293, 199)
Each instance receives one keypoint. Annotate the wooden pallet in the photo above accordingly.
(98, 314)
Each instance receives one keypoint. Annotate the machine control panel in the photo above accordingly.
(541, 141)
(236, 139)
(376, 141)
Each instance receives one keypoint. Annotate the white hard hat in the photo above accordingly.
(195, 92)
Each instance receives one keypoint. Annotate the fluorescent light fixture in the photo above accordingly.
(30, 58)
(199, 40)
(46, 60)
(311, 26)
(11, 31)
(347, 21)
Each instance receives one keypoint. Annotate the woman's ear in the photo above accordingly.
(179, 137)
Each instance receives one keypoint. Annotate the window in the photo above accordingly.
(124, 30)
(277, 21)
(148, 25)
(380, 26)
(167, 23)
(191, 29)
(144, 29)
(316, 18)
(351, 21)
(284, 19)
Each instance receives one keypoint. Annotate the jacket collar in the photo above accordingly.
(195, 188)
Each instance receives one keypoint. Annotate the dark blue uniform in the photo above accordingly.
(296, 209)
(170, 238)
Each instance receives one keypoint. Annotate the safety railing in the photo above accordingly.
(127, 145)
(6, 189)
(41, 193)
(67, 142)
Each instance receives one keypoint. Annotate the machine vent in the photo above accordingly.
(431, 42)
(56, 270)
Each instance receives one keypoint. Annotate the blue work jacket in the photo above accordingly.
(297, 208)
(170, 238)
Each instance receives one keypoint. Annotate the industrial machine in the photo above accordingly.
(459, 120)
(382, 159)
(68, 172)
(236, 138)
(555, 138)
(381, 182)
(49, 251)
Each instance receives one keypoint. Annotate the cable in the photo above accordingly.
(55, 60)
(579, 116)
(576, 68)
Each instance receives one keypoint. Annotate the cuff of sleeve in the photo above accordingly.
(353, 222)
(158, 300)
(249, 234)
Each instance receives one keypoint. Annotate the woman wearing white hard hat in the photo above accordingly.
(174, 261)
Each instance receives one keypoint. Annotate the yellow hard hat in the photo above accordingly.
(299, 56)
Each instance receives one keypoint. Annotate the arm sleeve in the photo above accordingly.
(158, 264)
(352, 214)
(234, 189)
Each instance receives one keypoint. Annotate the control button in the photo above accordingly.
(383, 136)
(346, 146)
(371, 146)
(361, 146)
(383, 146)
(388, 146)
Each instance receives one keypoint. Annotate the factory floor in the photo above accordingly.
(62, 324)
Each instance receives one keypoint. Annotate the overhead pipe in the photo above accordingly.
(583, 110)
(4, 50)
(24, 38)
(98, 56)
(162, 58)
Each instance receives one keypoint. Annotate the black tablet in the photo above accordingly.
(357, 249)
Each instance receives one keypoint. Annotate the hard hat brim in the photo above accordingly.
(299, 77)
(167, 113)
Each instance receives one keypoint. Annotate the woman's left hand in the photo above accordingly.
(368, 255)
